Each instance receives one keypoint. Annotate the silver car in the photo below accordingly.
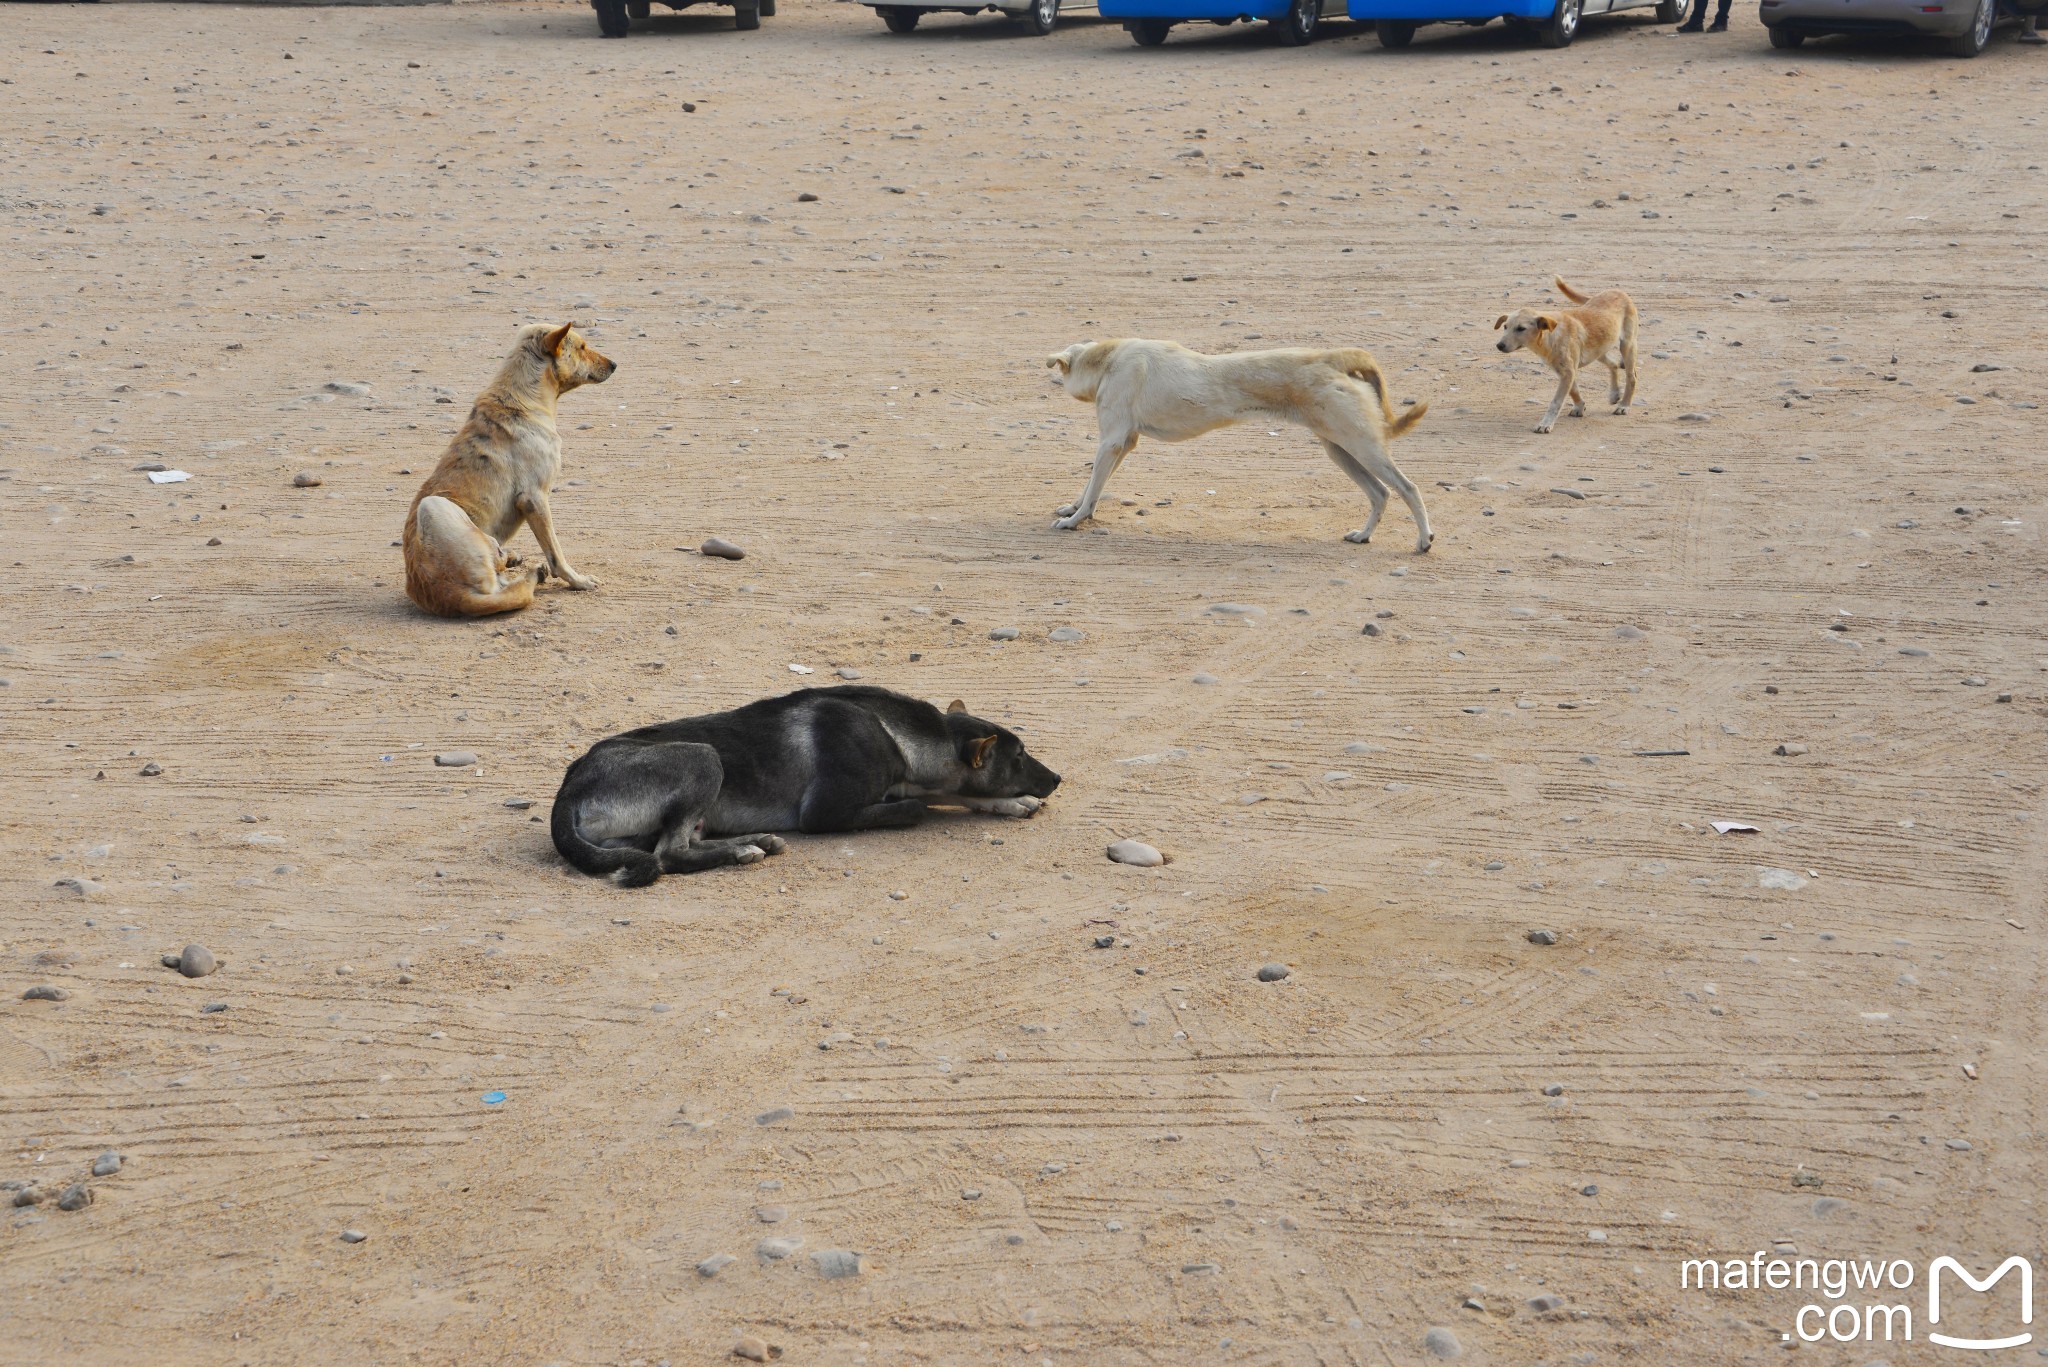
(1964, 26)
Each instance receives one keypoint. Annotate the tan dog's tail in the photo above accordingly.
(1567, 291)
(1360, 365)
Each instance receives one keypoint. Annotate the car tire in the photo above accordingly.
(1394, 33)
(640, 9)
(767, 9)
(901, 20)
(747, 17)
(1563, 24)
(1670, 11)
(1150, 32)
(1786, 37)
(1971, 43)
(1297, 27)
(611, 18)
(1042, 17)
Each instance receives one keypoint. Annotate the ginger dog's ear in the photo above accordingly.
(1500, 322)
(981, 750)
(956, 706)
(1544, 322)
(552, 343)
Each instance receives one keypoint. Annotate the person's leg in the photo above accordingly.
(1720, 24)
(1697, 20)
(2031, 33)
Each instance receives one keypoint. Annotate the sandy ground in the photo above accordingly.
(1821, 526)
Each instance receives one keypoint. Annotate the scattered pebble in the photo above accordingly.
(518, 804)
(354, 388)
(775, 1116)
(847, 672)
(1441, 1342)
(1136, 853)
(971, 1194)
(194, 961)
(721, 548)
(834, 1263)
(1273, 973)
(1542, 937)
(1790, 747)
(715, 1264)
(1200, 1269)
(1369, 629)
(1005, 634)
(1959, 1145)
(353, 1236)
(151, 769)
(1554, 1089)
(28, 1196)
(77, 1196)
(755, 1350)
(44, 992)
(1543, 1305)
(1206, 680)
(776, 1249)
(1065, 634)
(107, 1164)
(771, 1215)
(455, 759)
(306, 479)
(1105, 942)
(1626, 632)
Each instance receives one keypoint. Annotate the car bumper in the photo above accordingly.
(1945, 19)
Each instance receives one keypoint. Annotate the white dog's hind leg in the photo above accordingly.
(1363, 478)
(1108, 456)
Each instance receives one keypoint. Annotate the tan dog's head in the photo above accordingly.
(563, 349)
(1078, 369)
(1522, 329)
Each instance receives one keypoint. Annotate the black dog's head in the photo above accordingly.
(997, 764)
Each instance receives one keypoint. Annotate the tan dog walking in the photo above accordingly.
(495, 475)
(1576, 337)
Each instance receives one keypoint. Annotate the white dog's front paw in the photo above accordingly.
(749, 854)
(1361, 537)
(1065, 510)
(1067, 524)
(1025, 806)
(580, 581)
(1542, 427)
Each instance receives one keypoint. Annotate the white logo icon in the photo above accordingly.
(2026, 1270)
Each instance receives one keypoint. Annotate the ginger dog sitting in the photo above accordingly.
(1575, 337)
(496, 474)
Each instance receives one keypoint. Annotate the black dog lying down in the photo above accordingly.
(639, 805)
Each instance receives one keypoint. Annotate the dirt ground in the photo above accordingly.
(1820, 526)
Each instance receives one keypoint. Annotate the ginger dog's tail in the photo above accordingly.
(1360, 365)
(1567, 291)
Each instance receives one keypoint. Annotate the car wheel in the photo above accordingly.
(611, 18)
(1971, 43)
(767, 9)
(1670, 11)
(1395, 33)
(1297, 27)
(901, 20)
(1150, 32)
(1786, 37)
(1042, 16)
(640, 9)
(1563, 24)
(747, 16)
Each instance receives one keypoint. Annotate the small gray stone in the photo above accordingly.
(1494, 866)
(1441, 1342)
(1917, 652)
(353, 1236)
(847, 672)
(455, 759)
(195, 961)
(771, 1215)
(1692, 417)
(77, 1196)
(1790, 747)
(1105, 942)
(28, 1196)
(107, 1164)
(1828, 1205)
(1369, 629)
(1206, 679)
(1554, 1089)
(718, 546)
(1065, 634)
(1199, 1269)
(306, 479)
(1273, 973)
(151, 770)
(1005, 634)
(44, 992)
(775, 1250)
(1136, 853)
(518, 804)
(715, 1264)
(1542, 937)
(1959, 1145)
(354, 388)
(1543, 1305)
(1626, 632)
(1974, 681)
(835, 1263)
(775, 1116)
(971, 1194)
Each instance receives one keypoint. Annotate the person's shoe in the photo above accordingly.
(1718, 26)
(2032, 39)
(1690, 28)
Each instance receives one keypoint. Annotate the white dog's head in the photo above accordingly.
(1078, 369)
(1522, 329)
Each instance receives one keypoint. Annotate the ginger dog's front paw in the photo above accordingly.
(1542, 427)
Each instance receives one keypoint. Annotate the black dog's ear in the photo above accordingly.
(956, 706)
(978, 751)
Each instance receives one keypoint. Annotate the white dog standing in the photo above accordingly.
(1164, 390)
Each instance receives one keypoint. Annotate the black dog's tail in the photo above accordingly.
(628, 867)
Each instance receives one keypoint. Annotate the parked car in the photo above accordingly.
(614, 16)
(1034, 16)
(1553, 22)
(1149, 21)
(1964, 26)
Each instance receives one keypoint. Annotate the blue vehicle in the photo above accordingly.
(1554, 22)
(1149, 21)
